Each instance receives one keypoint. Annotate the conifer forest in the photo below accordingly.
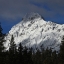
(23, 55)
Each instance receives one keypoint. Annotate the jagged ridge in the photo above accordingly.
(36, 33)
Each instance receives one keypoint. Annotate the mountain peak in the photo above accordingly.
(36, 33)
(31, 16)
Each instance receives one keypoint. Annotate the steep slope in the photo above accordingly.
(35, 32)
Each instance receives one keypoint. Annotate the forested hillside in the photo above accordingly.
(23, 55)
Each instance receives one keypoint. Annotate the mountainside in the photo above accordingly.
(35, 32)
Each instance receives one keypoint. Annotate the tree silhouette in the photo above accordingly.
(1, 45)
(61, 54)
(12, 51)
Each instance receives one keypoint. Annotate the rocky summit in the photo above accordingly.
(33, 31)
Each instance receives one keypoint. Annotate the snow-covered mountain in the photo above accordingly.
(35, 32)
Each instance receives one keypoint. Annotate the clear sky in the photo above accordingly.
(12, 11)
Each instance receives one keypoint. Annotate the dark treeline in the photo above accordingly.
(22, 55)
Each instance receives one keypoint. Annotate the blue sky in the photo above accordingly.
(12, 11)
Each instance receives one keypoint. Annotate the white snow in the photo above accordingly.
(36, 32)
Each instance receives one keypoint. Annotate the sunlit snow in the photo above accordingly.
(34, 32)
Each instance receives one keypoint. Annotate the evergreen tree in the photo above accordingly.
(12, 47)
(12, 51)
(47, 56)
(30, 56)
(54, 58)
(1, 45)
(20, 55)
(61, 54)
(1, 39)
(38, 55)
(25, 56)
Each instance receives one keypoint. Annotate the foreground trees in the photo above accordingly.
(1, 45)
(22, 55)
(61, 53)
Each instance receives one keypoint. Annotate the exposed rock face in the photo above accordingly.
(35, 32)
